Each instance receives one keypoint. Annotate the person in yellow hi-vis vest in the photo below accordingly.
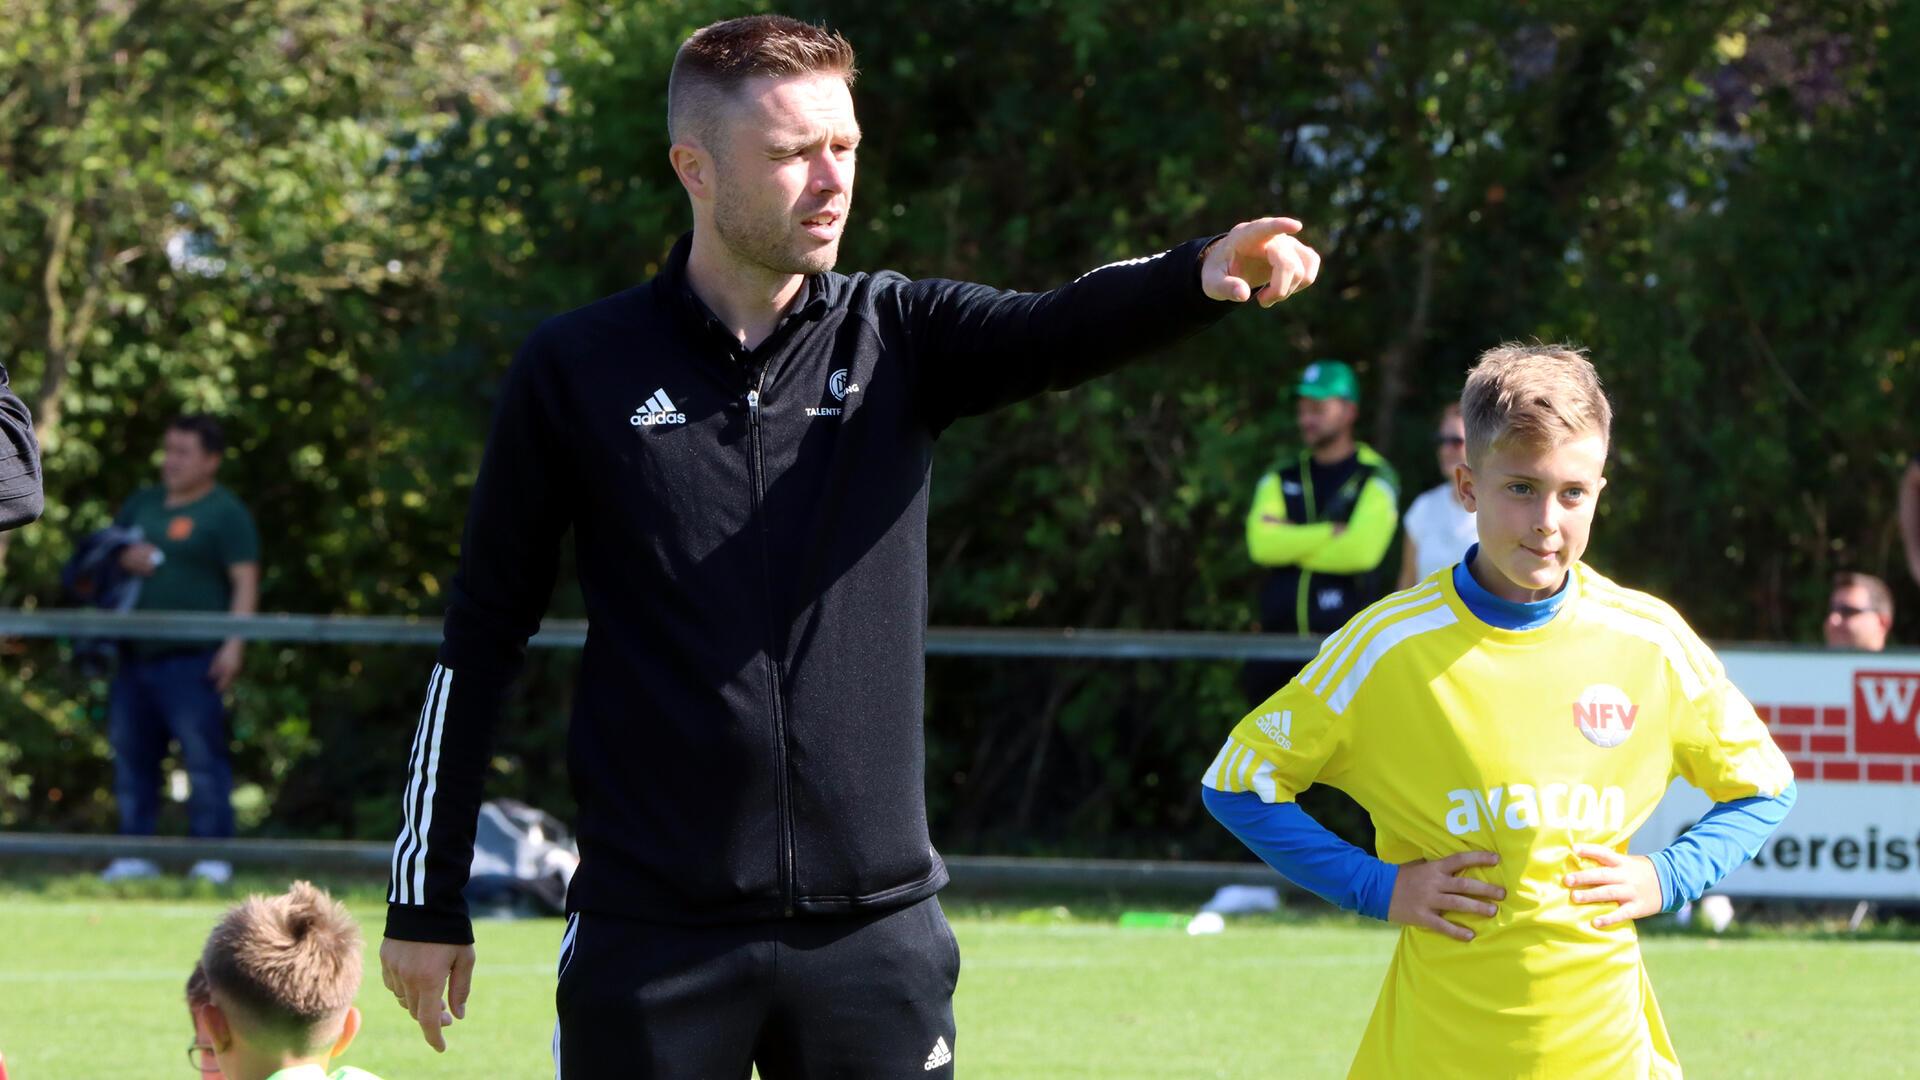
(1323, 519)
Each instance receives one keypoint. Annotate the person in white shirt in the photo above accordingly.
(1439, 530)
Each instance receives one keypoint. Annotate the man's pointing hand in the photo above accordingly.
(1262, 252)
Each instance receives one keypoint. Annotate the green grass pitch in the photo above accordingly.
(90, 989)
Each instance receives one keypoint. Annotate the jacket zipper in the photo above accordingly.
(775, 676)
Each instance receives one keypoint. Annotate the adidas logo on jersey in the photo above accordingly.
(1277, 726)
(940, 1055)
(658, 410)
(1530, 806)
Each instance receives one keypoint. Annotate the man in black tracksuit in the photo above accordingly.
(741, 448)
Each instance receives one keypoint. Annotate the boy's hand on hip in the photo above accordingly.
(424, 976)
(1627, 880)
(1424, 891)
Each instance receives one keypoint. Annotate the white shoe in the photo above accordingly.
(215, 870)
(129, 870)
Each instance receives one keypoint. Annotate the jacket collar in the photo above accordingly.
(677, 289)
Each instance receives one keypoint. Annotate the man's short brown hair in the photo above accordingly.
(1535, 395)
(198, 993)
(718, 59)
(1879, 597)
(287, 963)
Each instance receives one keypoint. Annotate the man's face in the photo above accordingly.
(1852, 623)
(185, 463)
(1450, 444)
(1534, 510)
(1324, 420)
(783, 173)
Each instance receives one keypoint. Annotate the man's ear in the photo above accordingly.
(694, 166)
(216, 1024)
(348, 1029)
(1463, 486)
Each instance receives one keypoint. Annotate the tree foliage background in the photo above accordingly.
(330, 222)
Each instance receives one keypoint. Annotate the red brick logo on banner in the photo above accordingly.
(1885, 704)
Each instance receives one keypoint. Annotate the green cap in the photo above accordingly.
(1329, 379)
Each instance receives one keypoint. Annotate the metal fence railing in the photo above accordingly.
(969, 871)
(572, 634)
(978, 872)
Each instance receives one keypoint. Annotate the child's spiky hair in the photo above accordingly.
(289, 962)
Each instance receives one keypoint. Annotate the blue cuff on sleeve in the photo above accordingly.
(1725, 837)
(1289, 840)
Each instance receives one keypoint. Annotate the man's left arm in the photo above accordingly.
(21, 500)
(978, 348)
(240, 546)
(244, 578)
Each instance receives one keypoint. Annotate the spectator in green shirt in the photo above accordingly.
(199, 552)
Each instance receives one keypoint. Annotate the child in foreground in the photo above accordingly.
(281, 973)
(1509, 723)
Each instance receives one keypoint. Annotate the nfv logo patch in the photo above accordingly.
(1604, 715)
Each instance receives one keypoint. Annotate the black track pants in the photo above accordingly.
(861, 997)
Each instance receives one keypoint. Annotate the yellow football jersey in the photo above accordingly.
(1456, 736)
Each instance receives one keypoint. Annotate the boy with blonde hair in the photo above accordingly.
(1509, 723)
(281, 973)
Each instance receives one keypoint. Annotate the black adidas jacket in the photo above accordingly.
(751, 535)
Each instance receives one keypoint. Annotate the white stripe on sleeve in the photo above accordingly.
(424, 756)
(433, 785)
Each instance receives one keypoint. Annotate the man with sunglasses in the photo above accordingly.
(1322, 519)
(1859, 613)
